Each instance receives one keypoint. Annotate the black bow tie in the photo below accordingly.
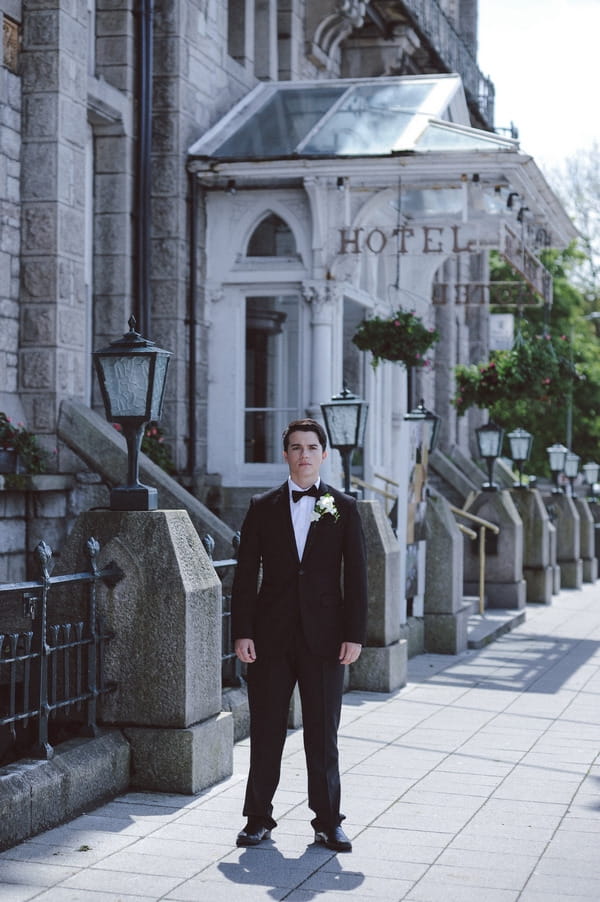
(313, 490)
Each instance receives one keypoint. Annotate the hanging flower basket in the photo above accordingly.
(402, 338)
(535, 369)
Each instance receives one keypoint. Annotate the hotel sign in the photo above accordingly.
(465, 238)
(443, 239)
(526, 264)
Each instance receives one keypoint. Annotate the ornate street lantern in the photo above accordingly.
(489, 444)
(556, 457)
(571, 468)
(431, 424)
(132, 373)
(520, 448)
(345, 421)
(590, 474)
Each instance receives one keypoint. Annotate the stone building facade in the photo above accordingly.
(93, 229)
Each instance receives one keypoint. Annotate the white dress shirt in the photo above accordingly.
(301, 512)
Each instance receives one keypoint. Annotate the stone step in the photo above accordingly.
(485, 628)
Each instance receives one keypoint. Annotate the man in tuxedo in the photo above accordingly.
(299, 611)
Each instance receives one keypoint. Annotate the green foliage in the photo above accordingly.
(154, 447)
(402, 338)
(32, 458)
(576, 340)
(537, 368)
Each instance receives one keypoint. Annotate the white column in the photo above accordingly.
(322, 296)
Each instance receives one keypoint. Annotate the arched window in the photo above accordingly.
(272, 238)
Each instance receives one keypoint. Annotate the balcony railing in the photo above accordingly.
(431, 21)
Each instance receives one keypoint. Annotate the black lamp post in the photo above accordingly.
(489, 444)
(132, 373)
(345, 420)
(571, 469)
(431, 424)
(520, 448)
(590, 474)
(556, 456)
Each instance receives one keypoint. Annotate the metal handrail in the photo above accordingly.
(470, 533)
(483, 525)
(372, 488)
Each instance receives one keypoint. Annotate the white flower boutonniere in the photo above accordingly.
(324, 505)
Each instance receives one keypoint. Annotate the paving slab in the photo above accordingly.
(478, 780)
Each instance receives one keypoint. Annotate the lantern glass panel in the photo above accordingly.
(571, 465)
(520, 444)
(590, 472)
(126, 383)
(362, 425)
(342, 420)
(158, 388)
(489, 440)
(556, 455)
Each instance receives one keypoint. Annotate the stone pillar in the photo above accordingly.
(568, 543)
(553, 560)
(53, 356)
(537, 565)
(446, 616)
(383, 662)
(586, 541)
(165, 657)
(504, 583)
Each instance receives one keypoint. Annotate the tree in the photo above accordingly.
(577, 183)
(577, 409)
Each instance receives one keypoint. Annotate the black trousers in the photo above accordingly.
(271, 681)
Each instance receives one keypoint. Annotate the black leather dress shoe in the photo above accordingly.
(334, 839)
(252, 834)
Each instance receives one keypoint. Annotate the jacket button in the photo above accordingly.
(300, 572)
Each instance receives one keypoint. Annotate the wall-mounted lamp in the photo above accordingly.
(231, 187)
(340, 183)
(509, 200)
(521, 213)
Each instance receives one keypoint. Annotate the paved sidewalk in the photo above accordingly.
(480, 780)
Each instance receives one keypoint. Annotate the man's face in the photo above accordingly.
(304, 457)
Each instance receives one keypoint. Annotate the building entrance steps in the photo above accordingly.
(478, 780)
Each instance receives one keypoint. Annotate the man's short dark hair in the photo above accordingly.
(306, 425)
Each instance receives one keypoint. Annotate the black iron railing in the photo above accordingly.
(51, 671)
(231, 668)
(431, 20)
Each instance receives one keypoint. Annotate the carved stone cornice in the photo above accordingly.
(332, 30)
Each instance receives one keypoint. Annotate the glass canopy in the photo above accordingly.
(348, 118)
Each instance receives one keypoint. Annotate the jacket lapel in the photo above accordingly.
(310, 538)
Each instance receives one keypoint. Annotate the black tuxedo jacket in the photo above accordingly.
(274, 593)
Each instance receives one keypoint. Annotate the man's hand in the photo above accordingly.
(244, 649)
(349, 652)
